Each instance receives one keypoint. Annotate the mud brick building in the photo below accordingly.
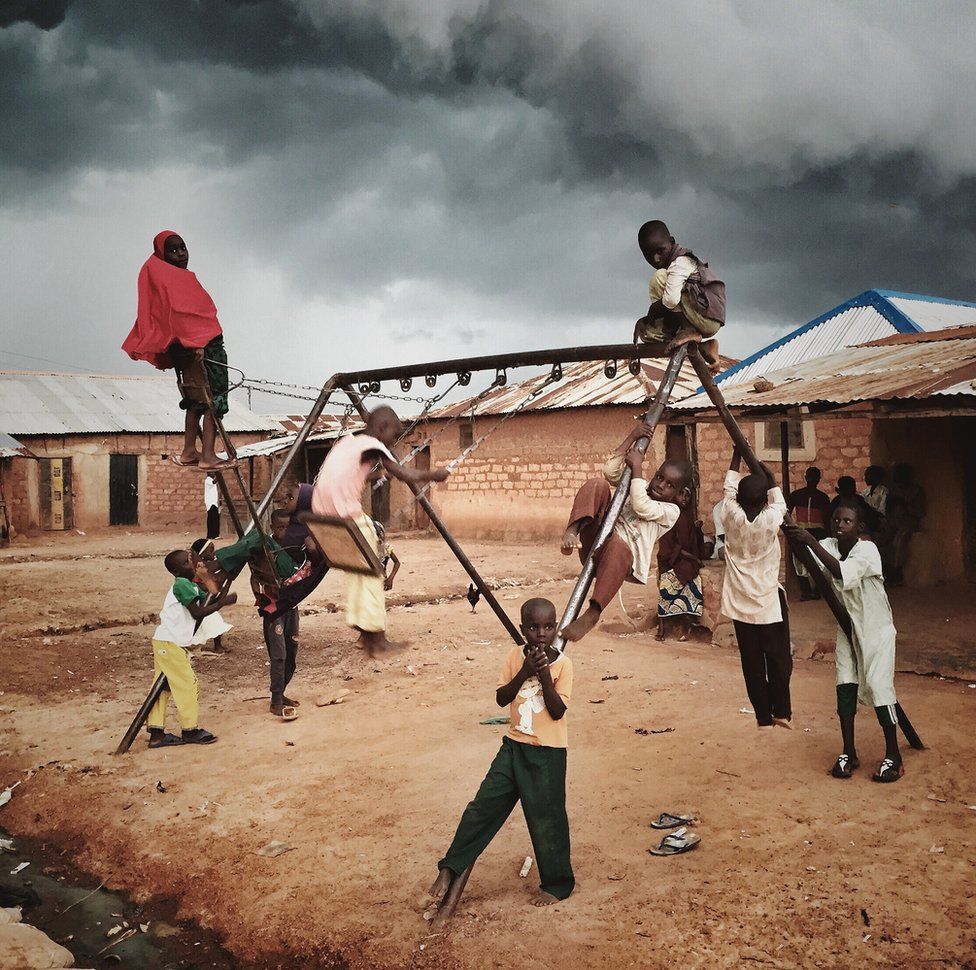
(101, 447)
(521, 480)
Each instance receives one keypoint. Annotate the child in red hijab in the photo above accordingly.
(176, 326)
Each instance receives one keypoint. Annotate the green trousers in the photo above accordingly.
(536, 776)
(234, 557)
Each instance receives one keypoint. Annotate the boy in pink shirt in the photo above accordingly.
(338, 490)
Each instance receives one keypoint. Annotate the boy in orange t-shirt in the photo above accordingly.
(536, 683)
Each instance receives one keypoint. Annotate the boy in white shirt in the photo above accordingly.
(650, 510)
(865, 668)
(182, 609)
(752, 514)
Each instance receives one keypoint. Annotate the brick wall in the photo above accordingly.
(168, 495)
(522, 480)
(843, 447)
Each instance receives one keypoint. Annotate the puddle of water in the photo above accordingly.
(61, 902)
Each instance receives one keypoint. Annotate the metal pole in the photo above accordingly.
(784, 457)
(803, 553)
(130, 735)
(452, 897)
(528, 358)
(452, 543)
(652, 417)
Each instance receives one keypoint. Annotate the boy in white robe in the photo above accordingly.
(866, 668)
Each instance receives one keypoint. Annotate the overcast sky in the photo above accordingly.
(379, 181)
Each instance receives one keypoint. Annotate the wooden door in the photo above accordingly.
(56, 505)
(123, 490)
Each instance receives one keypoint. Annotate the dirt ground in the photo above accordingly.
(794, 869)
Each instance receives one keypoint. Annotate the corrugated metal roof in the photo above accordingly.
(582, 385)
(881, 371)
(327, 428)
(870, 315)
(40, 403)
(951, 333)
(931, 313)
(12, 448)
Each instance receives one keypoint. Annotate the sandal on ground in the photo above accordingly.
(165, 740)
(668, 820)
(845, 766)
(677, 842)
(888, 771)
(286, 712)
(176, 460)
(198, 736)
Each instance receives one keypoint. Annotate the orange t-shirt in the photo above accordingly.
(531, 722)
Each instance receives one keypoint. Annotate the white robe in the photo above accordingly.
(870, 662)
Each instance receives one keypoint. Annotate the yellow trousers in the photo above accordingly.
(174, 662)
(705, 326)
(365, 595)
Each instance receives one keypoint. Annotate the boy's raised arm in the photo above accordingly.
(805, 538)
(414, 475)
(198, 610)
(555, 705)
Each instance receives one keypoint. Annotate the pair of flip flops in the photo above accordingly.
(194, 736)
(681, 840)
(888, 771)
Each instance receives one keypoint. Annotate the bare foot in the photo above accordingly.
(709, 352)
(783, 722)
(570, 541)
(544, 899)
(376, 644)
(438, 890)
(191, 457)
(582, 624)
(216, 464)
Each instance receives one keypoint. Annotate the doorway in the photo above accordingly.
(123, 490)
(56, 505)
(421, 463)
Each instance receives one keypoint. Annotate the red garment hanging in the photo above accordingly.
(173, 309)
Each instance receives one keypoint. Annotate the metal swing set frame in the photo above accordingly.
(357, 385)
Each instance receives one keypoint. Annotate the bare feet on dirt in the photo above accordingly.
(544, 899)
(376, 644)
(582, 624)
(438, 890)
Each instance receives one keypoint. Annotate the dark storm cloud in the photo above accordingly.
(456, 167)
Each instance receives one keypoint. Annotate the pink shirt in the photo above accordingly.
(338, 488)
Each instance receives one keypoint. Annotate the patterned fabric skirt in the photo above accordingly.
(677, 598)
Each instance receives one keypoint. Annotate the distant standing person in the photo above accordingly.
(875, 493)
(176, 326)
(680, 553)
(810, 508)
(687, 298)
(211, 501)
(906, 509)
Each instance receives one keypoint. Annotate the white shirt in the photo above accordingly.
(678, 273)
(752, 555)
(877, 498)
(719, 529)
(642, 519)
(871, 663)
(210, 493)
(175, 623)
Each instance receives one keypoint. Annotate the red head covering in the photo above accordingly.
(173, 309)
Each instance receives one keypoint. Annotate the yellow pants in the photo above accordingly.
(365, 596)
(174, 662)
(705, 326)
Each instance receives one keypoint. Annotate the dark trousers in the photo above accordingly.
(281, 639)
(614, 560)
(536, 776)
(213, 522)
(767, 665)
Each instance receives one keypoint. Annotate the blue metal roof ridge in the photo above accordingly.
(922, 298)
(899, 320)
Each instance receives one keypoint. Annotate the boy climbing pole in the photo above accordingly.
(687, 298)
(651, 510)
